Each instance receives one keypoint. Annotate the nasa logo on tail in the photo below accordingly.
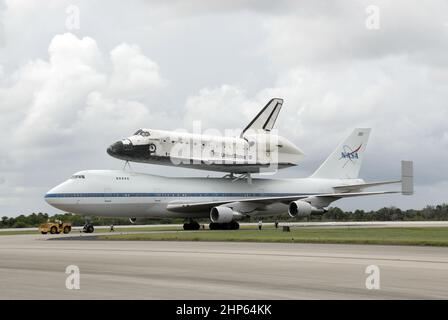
(350, 154)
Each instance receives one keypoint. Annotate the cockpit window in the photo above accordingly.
(78, 176)
(142, 133)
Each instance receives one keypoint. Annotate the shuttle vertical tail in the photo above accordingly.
(266, 118)
(345, 161)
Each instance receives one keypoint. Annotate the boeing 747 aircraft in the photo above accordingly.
(257, 147)
(223, 200)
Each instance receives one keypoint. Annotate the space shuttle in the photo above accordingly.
(257, 149)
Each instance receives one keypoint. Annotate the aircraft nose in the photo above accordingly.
(115, 148)
(51, 196)
(47, 198)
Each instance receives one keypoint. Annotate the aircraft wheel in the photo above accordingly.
(196, 226)
(224, 226)
(88, 228)
(192, 226)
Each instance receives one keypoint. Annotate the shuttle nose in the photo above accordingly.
(115, 148)
(120, 148)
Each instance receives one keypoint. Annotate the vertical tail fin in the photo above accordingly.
(345, 161)
(266, 118)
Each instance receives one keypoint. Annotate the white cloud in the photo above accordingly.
(50, 97)
(134, 75)
(65, 97)
(221, 108)
(329, 34)
(64, 106)
(60, 87)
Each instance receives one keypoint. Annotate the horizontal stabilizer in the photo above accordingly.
(361, 186)
(407, 181)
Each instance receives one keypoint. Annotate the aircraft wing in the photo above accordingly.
(256, 203)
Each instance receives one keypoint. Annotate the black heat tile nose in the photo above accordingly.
(115, 148)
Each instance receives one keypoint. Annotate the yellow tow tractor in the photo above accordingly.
(55, 227)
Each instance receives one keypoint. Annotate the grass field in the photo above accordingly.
(17, 232)
(106, 229)
(393, 236)
(425, 236)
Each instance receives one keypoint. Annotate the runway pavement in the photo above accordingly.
(33, 268)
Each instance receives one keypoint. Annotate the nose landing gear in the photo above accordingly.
(88, 228)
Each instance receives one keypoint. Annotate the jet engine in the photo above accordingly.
(222, 214)
(302, 208)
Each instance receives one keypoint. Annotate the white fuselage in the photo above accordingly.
(207, 152)
(128, 194)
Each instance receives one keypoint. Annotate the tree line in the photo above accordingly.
(430, 213)
(35, 219)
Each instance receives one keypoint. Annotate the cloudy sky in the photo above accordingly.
(76, 76)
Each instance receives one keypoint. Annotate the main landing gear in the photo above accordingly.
(191, 225)
(224, 226)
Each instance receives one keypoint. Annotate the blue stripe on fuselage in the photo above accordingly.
(169, 195)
